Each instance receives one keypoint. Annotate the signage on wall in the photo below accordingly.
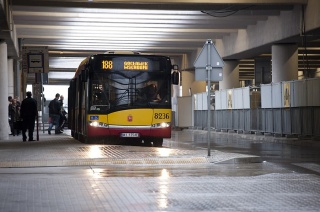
(35, 59)
(286, 94)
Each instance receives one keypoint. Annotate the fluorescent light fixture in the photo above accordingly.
(61, 75)
(65, 62)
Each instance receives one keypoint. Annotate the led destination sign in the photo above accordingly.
(124, 65)
(130, 65)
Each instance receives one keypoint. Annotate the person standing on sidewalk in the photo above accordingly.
(63, 113)
(9, 118)
(54, 114)
(14, 114)
(28, 113)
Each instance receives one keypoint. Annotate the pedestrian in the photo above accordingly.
(14, 114)
(54, 114)
(63, 113)
(9, 116)
(18, 122)
(18, 101)
(28, 113)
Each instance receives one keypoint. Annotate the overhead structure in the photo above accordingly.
(78, 28)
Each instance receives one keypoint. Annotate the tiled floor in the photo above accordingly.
(63, 150)
(58, 173)
(46, 190)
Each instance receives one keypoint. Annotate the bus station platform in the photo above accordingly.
(63, 150)
(59, 173)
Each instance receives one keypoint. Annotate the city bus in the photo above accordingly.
(121, 98)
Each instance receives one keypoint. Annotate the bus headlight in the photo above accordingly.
(98, 124)
(94, 124)
(161, 125)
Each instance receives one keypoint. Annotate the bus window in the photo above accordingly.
(99, 97)
(150, 92)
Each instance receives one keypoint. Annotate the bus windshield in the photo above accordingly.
(117, 90)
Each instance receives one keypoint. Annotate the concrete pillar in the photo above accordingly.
(187, 78)
(262, 70)
(230, 75)
(10, 78)
(17, 80)
(4, 125)
(284, 62)
(219, 47)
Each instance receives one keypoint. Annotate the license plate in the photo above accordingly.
(129, 135)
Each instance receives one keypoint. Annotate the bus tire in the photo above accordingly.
(157, 142)
(147, 142)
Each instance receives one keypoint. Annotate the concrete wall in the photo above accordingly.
(275, 28)
(312, 15)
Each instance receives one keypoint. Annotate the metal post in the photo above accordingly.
(42, 102)
(209, 42)
(37, 116)
(204, 61)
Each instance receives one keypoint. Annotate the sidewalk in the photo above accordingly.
(63, 150)
(267, 137)
(59, 173)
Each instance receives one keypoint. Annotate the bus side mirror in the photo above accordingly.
(175, 76)
(84, 75)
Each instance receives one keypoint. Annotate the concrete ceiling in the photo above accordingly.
(75, 29)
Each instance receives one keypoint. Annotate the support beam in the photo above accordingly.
(159, 5)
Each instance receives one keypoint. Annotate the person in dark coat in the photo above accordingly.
(28, 113)
(9, 115)
(14, 114)
(63, 113)
(54, 114)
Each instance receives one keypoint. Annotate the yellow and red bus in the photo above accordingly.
(121, 97)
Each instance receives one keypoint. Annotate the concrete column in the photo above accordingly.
(284, 62)
(262, 70)
(187, 78)
(17, 80)
(10, 78)
(219, 47)
(230, 75)
(4, 125)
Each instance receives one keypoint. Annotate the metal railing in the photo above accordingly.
(304, 121)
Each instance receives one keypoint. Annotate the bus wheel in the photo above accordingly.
(157, 142)
(134, 142)
(147, 142)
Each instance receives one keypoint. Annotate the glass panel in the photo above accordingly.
(114, 90)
